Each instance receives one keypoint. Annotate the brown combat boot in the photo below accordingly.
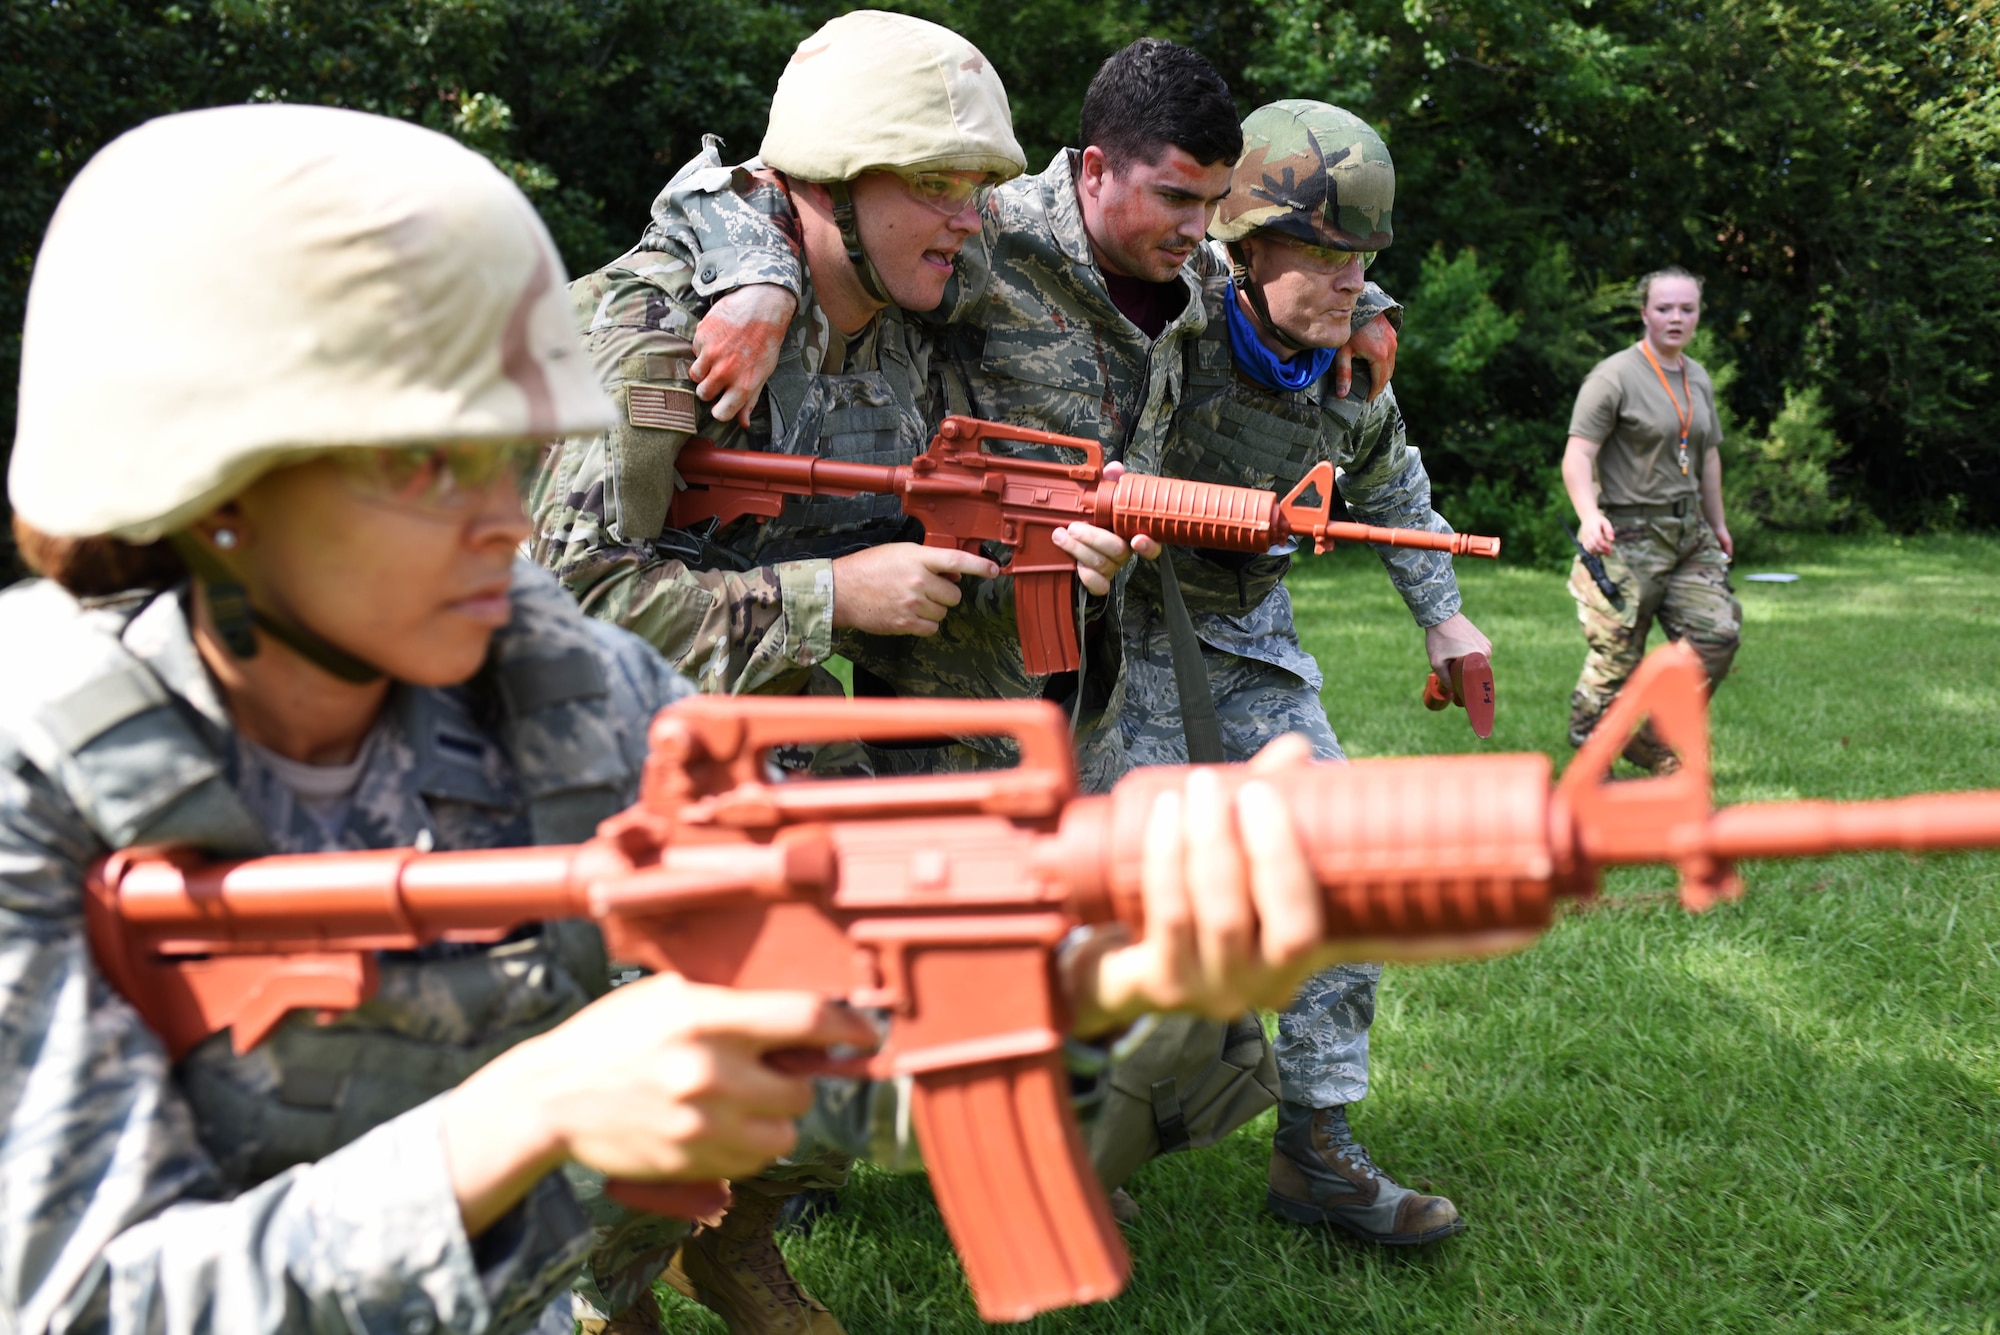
(1651, 754)
(735, 1270)
(1321, 1175)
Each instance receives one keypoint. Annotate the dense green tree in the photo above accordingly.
(1831, 166)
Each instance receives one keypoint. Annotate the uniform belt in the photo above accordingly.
(1659, 510)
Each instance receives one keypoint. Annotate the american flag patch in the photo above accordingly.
(661, 408)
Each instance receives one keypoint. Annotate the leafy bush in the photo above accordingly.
(1781, 479)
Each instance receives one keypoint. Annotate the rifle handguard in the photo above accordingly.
(941, 901)
(966, 496)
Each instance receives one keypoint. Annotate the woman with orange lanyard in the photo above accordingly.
(1642, 471)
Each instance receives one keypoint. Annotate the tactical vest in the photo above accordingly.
(142, 766)
(863, 417)
(1232, 431)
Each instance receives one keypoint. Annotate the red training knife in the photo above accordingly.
(1471, 688)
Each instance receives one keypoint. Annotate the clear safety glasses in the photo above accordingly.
(949, 192)
(1328, 260)
(441, 479)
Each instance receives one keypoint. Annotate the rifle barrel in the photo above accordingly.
(1458, 544)
(1922, 824)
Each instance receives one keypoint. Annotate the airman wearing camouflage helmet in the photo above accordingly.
(1312, 175)
(1309, 205)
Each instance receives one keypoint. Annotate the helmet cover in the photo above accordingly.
(310, 279)
(1313, 172)
(874, 91)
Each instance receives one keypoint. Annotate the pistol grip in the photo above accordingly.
(1015, 1186)
(1047, 621)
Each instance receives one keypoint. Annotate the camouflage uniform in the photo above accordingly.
(1035, 337)
(1027, 334)
(1665, 559)
(750, 609)
(1315, 176)
(298, 1186)
(1233, 432)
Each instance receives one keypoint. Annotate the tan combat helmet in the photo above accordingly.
(874, 91)
(307, 279)
(1312, 172)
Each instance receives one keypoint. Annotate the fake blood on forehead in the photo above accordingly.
(1148, 305)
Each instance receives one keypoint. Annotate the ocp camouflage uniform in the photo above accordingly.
(749, 608)
(1668, 567)
(1665, 559)
(1231, 431)
(298, 1186)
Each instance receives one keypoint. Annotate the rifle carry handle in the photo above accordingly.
(738, 732)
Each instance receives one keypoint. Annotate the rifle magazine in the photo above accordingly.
(1015, 1186)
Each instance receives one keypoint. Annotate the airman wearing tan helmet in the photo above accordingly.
(282, 613)
(885, 134)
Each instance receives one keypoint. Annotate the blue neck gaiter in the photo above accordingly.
(1262, 365)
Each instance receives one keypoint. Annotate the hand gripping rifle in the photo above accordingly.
(965, 496)
(941, 899)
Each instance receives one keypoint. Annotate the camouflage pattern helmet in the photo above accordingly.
(313, 279)
(1312, 172)
(873, 91)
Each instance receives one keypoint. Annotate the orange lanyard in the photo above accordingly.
(1686, 415)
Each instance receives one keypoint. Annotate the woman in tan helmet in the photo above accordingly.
(353, 335)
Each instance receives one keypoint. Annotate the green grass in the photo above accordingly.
(1781, 1115)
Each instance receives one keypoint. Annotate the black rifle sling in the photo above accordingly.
(1198, 719)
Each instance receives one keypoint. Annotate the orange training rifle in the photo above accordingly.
(966, 496)
(941, 900)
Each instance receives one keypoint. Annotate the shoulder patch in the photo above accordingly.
(662, 408)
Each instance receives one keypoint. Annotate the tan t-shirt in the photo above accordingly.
(1623, 408)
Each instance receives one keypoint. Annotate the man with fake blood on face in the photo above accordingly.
(1066, 314)
(1081, 309)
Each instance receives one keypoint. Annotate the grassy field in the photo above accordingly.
(1782, 1115)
